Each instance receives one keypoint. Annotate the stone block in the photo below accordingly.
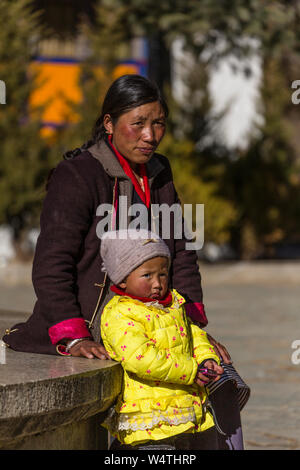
(55, 402)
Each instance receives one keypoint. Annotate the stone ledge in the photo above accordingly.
(41, 394)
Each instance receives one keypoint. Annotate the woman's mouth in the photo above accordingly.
(146, 150)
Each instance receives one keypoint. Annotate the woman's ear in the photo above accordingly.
(107, 123)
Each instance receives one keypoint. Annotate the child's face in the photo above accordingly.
(148, 280)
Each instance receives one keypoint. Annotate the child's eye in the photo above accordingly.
(146, 275)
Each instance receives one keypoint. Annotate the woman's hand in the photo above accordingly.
(89, 349)
(220, 350)
(202, 379)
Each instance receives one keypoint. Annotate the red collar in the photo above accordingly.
(167, 300)
(145, 196)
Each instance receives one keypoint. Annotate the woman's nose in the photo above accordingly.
(148, 134)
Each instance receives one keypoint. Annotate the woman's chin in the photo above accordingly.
(139, 160)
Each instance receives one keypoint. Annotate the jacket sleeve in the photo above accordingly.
(127, 342)
(185, 274)
(186, 279)
(65, 219)
(202, 348)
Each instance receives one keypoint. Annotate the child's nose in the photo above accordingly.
(156, 282)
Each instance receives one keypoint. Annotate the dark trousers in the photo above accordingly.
(225, 404)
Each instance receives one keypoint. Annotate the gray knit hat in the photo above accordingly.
(123, 251)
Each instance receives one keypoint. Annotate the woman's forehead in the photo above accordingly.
(148, 109)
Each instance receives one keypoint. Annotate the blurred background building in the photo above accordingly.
(58, 57)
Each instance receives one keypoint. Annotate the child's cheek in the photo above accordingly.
(144, 287)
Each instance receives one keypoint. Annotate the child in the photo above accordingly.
(144, 327)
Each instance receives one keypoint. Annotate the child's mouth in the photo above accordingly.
(155, 296)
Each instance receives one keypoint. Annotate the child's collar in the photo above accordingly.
(167, 300)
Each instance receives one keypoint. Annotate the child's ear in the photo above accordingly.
(122, 285)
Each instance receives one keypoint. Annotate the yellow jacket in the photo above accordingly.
(159, 349)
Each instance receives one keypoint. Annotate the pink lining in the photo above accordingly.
(72, 329)
(196, 312)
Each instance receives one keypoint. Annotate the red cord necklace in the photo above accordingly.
(144, 195)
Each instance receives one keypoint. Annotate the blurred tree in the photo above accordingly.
(108, 44)
(220, 214)
(24, 155)
(262, 182)
(251, 196)
(264, 179)
(109, 38)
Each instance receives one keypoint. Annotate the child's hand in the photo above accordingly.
(202, 379)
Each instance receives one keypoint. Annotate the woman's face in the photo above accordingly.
(137, 133)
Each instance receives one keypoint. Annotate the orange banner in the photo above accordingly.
(58, 84)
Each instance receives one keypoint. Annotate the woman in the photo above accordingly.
(121, 160)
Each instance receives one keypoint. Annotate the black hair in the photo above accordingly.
(126, 93)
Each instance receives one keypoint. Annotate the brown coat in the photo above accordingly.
(67, 266)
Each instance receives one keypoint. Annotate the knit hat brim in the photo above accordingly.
(123, 251)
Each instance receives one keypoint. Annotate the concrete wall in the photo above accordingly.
(55, 402)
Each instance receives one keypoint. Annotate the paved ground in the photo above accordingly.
(253, 309)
